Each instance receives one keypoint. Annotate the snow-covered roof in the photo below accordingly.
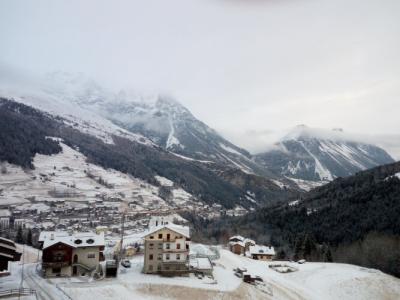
(201, 263)
(5, 213)
(6, 243)
(183, 230)
(249, 241)
(75, 240)
(257, 249)
(6, 255)
(237, 237)
(242, 244)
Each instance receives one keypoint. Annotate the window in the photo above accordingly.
(178, 246)
(167, 246)
(159, 257)
(160, 246)
(168, 236)
(150, 256)
(178, 257)
(160, 235)
(151, 245)
(187, 246)
(56, 270)
(91, 255)
(167, 256)
(159, 267)
(151, 237)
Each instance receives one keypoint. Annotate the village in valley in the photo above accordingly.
(164, 249)
(71, 264)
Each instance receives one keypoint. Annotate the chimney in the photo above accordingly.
(52, 236)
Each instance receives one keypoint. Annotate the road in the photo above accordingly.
(45, 289)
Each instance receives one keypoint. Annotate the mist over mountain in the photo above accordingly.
(156, 116)
(321, 155)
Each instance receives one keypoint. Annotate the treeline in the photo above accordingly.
(24, 132)
(20, 141)
(354, 220)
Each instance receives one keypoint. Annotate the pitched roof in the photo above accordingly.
(76, 240)
(6, 255)
(6, 243)
(249, 241)
(242, 244)
(183, 230)
(202, 263)
(257, 249)
(237, 237)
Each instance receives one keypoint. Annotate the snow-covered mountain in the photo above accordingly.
(159, 118)
(321, 155)
(26, 129)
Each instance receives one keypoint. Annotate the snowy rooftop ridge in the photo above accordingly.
(75, 240)
(183, 230)
(257, 249)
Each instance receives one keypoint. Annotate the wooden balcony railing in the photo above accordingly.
(56, 264)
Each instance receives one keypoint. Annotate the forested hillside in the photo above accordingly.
(20, 141)
(354, 220)
(26, 131)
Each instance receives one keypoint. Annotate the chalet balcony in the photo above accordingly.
(175, 262)
(183, 250)
(56, 264)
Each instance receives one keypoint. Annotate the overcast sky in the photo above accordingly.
(248, 68)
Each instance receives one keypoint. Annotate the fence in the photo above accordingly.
(16, 292)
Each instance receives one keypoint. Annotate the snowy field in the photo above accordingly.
(313, 281)
(66, 174)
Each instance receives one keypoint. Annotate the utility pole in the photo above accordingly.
(121, 249)
(22, 272)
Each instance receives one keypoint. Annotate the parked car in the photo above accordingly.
(126, 263)
(238, 274)
(301, 261)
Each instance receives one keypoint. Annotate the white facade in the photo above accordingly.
(4, 222)
(160, 221)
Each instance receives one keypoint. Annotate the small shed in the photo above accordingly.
(201, 265)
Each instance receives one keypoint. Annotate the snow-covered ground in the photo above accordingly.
(307, 185)
(312, 281)
(67, 173)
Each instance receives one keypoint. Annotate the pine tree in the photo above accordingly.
(281, 254)
(298, 247)
(328, 255)
(308, 246)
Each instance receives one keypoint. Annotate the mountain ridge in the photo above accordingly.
(321, 155)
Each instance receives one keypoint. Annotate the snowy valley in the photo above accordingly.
(310, 281)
